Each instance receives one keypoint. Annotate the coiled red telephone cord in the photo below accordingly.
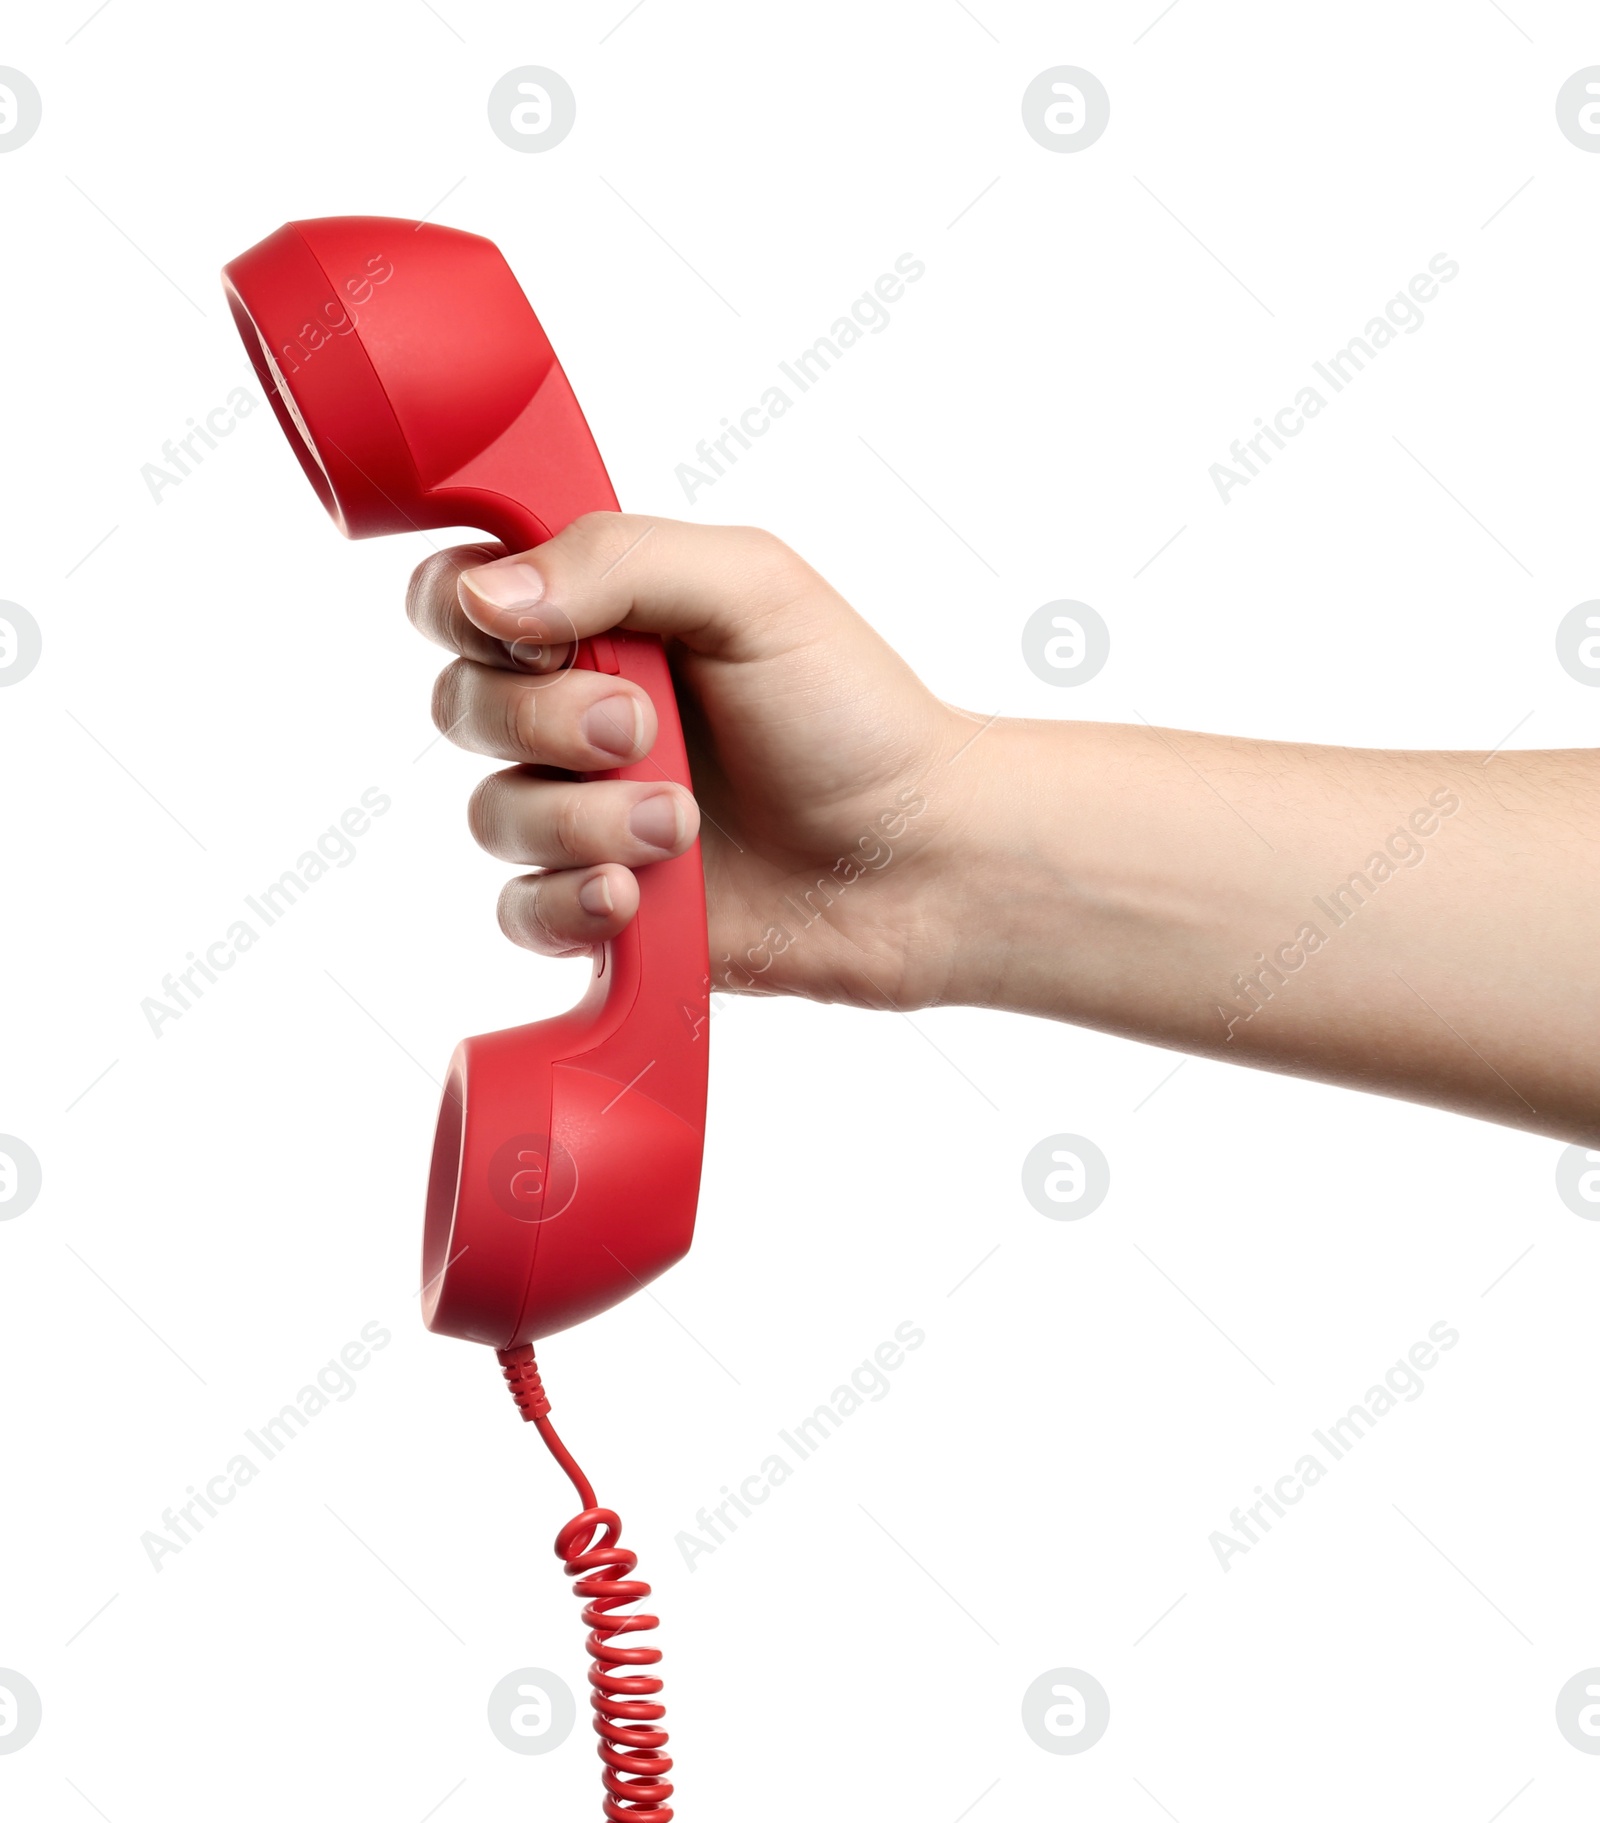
(627, 1717)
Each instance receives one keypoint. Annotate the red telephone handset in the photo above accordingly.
(419, 391)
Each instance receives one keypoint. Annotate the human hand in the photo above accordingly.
(812, 746)
(862, 844)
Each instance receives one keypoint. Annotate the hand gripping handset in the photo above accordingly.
(419, 391)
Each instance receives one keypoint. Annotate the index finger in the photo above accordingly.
(716, 589)
(434, 608)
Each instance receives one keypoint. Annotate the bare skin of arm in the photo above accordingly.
(1424, 925)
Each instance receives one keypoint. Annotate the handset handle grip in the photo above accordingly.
(647, 1008)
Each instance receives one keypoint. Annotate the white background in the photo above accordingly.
(228, 1206)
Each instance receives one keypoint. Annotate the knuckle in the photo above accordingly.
(567, 828)
(764, 549)
(520, 717)
(431, 592)
(446, 696)
(522, 917)
(517, 912)
(432, 584)
(418, 587)
(600, 539)
(776, 573)
(486, 812)
(589, 526)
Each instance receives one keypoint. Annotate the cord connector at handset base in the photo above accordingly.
(522, 1376)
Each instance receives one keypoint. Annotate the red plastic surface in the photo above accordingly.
(419, 391)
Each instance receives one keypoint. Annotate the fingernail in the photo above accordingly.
(503, 585)
(658, 821)
(615, 725)
(595, 897)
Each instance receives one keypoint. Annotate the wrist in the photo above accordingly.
(1090, 878)
(1009, 879)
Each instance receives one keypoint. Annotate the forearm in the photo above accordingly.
(1418, 924)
